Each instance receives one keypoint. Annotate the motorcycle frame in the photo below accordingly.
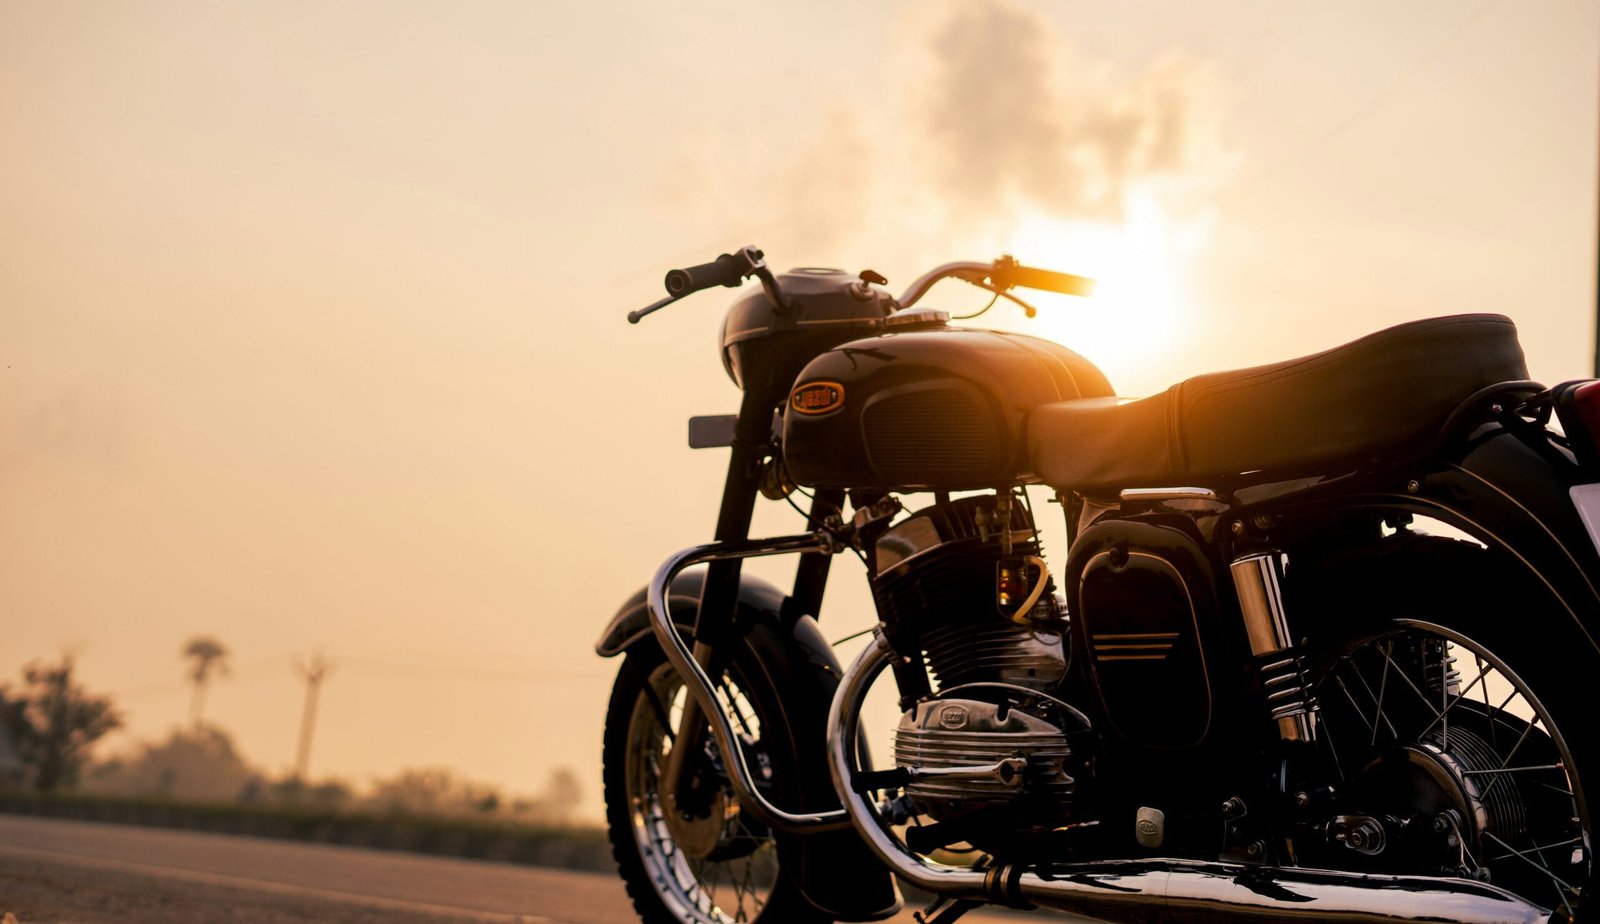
(1493, 474)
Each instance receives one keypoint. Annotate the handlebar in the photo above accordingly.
(727, 270)
(1034, 278)
(999, 276)
(730, 269)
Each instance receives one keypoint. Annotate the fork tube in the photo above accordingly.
(811, 574)
(752, 433)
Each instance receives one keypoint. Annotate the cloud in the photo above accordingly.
(1011, 116)
(995, 116)
(826, 189)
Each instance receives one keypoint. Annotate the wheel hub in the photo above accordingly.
(699, 831)
(703, 816)
(1431, 802)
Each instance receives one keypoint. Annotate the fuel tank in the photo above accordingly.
(937, 409)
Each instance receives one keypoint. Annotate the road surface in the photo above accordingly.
(53, 870)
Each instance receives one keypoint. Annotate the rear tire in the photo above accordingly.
(1453, 692)
(743, 879)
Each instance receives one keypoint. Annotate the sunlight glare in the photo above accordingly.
(1141, 308)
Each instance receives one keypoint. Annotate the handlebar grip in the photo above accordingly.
(1050, 281)
(727, 270)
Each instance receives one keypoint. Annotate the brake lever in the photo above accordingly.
(636, 314)
(1027, 309)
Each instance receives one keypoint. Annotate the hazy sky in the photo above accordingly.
(311, 314)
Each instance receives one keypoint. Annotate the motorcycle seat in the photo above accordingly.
(1375, 399)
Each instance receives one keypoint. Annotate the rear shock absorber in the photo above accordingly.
(1283, 674)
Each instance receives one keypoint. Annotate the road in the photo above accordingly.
(53, 870)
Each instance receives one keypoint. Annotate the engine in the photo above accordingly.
(961, 586)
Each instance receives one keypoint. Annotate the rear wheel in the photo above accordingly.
(1451, 726)
(692, 857)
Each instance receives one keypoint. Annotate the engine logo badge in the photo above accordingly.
(953, 716)
(817, 397)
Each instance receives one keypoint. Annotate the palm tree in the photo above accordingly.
(210, 658)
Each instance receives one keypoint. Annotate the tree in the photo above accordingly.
(200, 764)
(209, 657)
(556, 805)
(53, 722)
(432, 791)
(562, 795)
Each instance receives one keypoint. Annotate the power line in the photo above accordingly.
(485, 673)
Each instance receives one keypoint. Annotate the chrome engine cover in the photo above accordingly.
(952, 731)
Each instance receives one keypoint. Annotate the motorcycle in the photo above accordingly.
(1318, 648)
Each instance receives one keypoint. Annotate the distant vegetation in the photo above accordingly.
(49, 723)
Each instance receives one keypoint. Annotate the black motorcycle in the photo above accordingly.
(1317, 650)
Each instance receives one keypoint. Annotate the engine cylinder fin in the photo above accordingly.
(1001, 651)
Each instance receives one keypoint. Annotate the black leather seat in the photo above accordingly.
(1376, 398)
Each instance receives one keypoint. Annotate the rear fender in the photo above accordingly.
(1512, 491)
(835, 871)
(1509, 488)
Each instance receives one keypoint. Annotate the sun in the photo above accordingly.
(1142, 309)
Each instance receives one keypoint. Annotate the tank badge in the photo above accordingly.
(817, 397)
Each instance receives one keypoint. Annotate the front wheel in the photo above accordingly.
(1452, 727)
(691, 857)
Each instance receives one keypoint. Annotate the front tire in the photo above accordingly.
(720, 867)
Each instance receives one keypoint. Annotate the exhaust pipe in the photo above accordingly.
(1168, 890)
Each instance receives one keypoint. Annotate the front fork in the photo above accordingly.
(702, 691)
(752, 447)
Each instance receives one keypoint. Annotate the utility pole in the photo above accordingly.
(312, 673)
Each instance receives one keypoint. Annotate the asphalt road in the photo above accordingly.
(53, 870)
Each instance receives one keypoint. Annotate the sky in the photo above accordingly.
(312, 324)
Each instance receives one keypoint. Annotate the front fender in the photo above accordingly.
(632, 621)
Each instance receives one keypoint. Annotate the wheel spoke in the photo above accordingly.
(1528, 729)
(1512, 769)
(695, 890)
(1443, 716)
(1383, 686)
(1332, 747)
(1339, 682)
(1494, 739)
(1562, 886)
(1421, 696)
(1488, 738)
(1379, 713)
(1538, 850)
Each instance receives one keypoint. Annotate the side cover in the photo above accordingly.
(836, 872)
(1145, 608)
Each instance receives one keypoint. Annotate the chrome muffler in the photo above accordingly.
(1168, 890)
